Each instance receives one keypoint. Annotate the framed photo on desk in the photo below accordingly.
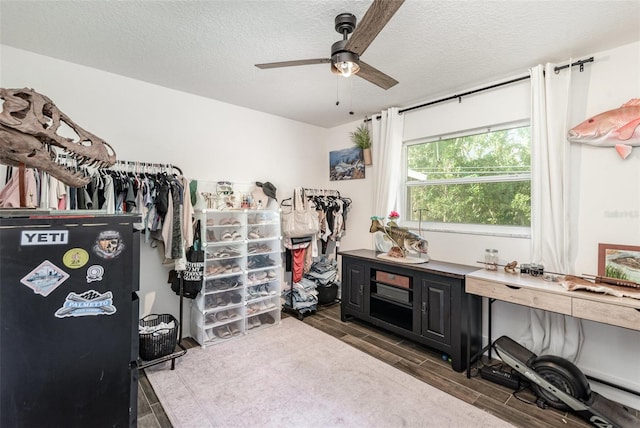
(619, 261)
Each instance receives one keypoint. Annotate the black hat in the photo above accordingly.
(268, 189)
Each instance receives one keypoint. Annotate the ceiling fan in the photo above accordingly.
(345, 53)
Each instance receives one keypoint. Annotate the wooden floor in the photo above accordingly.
(418, 361)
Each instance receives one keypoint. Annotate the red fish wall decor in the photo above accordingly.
(619, 128)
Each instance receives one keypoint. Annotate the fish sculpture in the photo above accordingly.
(619, 128)
(404, 239)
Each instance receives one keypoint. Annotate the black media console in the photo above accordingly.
(424, 302)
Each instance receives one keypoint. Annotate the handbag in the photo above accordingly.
(194, 270)
(300, 218)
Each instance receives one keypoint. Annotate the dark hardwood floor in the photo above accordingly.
(428, 365)
(420, 362)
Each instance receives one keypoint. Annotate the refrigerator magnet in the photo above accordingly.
(75, 258)
(85, 304)
(94, 273)
(45, 278)
(108, 245)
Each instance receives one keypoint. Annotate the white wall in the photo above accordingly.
(208, 140)
(360, 191)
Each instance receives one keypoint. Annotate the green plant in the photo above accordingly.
(361, 137)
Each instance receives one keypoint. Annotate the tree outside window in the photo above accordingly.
(480, 178)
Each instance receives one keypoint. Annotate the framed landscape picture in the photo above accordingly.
(619, 261)
(346, 164)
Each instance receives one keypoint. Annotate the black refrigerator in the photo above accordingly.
(68, 320)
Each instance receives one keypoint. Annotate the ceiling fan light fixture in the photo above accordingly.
(346, 68)
(344, 62)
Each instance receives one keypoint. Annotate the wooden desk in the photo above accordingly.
(534, 292)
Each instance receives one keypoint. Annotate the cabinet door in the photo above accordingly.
(355, 281)
(436, 309)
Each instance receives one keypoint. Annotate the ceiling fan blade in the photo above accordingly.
(373, 21)
(376, 76)
(294, 63)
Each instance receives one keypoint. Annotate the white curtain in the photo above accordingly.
(387, 165)
(548, 332)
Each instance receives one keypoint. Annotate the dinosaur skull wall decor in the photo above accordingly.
(29, 134)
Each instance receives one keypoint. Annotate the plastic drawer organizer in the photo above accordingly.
(242, 274)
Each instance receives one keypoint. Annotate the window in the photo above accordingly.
(479, 178)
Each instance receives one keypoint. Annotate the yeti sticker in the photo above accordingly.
(45, 278)
(108, 245)
(86, 304)
(46, 237)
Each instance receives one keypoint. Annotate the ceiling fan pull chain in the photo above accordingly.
(351, 97)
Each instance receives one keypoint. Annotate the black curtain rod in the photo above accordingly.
(464, 94)
(508, 82)
(580, 63)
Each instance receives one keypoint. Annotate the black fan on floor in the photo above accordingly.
(345, 53)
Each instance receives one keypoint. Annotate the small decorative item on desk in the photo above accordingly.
(491, 259)
(511, 267)
(536, 269)
(402, 240)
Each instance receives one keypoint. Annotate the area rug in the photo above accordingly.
(295, 375)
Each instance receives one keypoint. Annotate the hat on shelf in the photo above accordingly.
(268, 189)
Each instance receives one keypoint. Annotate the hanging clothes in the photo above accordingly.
(331, 209)
(159, 198)
(297, 255)
(332, 212)
(10, 193)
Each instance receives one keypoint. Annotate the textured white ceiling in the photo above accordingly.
(209, 48)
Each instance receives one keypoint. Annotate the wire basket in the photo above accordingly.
(327, 293)
(161, 342)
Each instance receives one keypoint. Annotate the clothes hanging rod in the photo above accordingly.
(130, 163)
(320, 192)
(557, 69)
(148, 164)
